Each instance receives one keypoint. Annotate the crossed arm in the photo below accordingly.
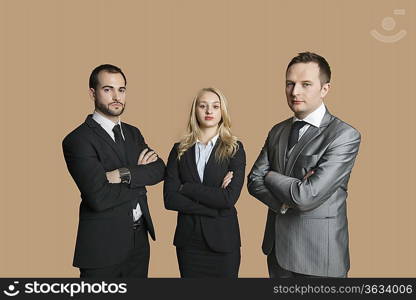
(194, 198)
(98, 192)
(256, 181)
(275, 189)
(220, 197)
(316, 187)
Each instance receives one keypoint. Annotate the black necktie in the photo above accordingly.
(117, 134)
(294, 133)
(119, 141)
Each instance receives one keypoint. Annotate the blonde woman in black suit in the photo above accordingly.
(205, 174)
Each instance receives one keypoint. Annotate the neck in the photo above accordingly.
(301, 116)
(304, 115)
(207, 134)
(114, 119)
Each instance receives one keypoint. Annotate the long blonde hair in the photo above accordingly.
(228, 145)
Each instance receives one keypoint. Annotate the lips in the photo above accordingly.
(297, 102)
(209, 118)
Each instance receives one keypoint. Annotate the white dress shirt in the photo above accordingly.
(202, 154)
(108, 126)
(314, 118)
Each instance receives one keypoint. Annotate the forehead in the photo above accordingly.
(208, 97)
(303, 72)
(111, 79)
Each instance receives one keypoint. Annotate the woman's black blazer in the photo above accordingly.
(205, 201)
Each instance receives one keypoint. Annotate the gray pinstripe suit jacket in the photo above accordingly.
(312, 237)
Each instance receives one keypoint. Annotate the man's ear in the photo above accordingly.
(325, 89)
(91, 92)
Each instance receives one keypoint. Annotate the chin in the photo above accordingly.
(114, 113)
(209, 125)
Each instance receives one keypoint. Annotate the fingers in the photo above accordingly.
(113, 176)
(152, 158)
(147, 157)
(309, 174)
(227, 179)
(229, 175)
(142, 155)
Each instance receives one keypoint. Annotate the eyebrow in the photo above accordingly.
(111, 87)
(207, 102)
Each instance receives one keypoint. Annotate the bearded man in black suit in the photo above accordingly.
(111, 164)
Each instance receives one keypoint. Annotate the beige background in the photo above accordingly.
(170, 49)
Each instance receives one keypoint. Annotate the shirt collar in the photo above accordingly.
(104, 122)
(315, 117)
(211, 141)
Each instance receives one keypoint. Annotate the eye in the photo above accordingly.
(306, 84)
(122, 90)
(202, 106)
(288, 84)
(216, 106)
(106, 90)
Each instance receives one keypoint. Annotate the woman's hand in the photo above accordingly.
(227, 179)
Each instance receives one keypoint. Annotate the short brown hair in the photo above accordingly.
(306, 57)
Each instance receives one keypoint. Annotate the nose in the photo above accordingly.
(208, 110)
(116, 96)
(296, 89)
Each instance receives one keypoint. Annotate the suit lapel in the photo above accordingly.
(191, 163)
(130, 146)
(282, 145)
(307, 137)
(104, 135)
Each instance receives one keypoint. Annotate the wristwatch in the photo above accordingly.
(283, 209)
(125, 175)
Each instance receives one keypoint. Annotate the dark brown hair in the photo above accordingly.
(107, 68)
(306, 57)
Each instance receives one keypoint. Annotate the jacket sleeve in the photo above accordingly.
(256, 180)
(150, 174)
(218, 197)
(175, 200)
(332, 169)
(89, 175)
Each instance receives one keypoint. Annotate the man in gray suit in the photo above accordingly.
(302, 174)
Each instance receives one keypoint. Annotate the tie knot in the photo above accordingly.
(294, 133)
(117, 133)
(299, 124)
(117, 129)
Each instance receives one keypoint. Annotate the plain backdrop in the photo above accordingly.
(168, 51)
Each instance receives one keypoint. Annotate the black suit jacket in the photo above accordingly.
(105, 216)
(207, 201)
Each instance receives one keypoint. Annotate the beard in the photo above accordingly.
(105, 109)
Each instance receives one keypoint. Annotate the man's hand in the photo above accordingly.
(113, 176)
(227, 179)
(146, 157)
(285, 207)
(309, 174)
